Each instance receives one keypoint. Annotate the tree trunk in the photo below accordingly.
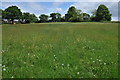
(12, 21)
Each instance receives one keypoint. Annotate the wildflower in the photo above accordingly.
(62, 64)
(3, 66)
(54, 55)
(99, 60)
(56, 66)
(68, 65)
(24, 62)
(78, 72)
(4, 69)
(104, 63)
(93, 61)
(12, 77)
(28, 53)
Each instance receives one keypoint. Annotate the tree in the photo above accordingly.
(1, 16)
(4, 16)
(94, 12)
(56, 17)
(79, 15)
(103, 14)
(29, 18)
(73, 15)
(33, 18)
(26, 17)
(86, 17)
(53, 15)
(66, 17)
(63, 19)
(93, 17)
(43, 18)
(1, 12)
(12, 12)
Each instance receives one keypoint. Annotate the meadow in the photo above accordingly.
(54, 50)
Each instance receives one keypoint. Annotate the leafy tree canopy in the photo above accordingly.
(103, 14)
(12, 12)
(28, 18)
(43, 18)
(56, 17)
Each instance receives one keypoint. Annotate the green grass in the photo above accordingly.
(60, 50)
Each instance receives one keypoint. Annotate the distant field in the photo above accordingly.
(66, 50)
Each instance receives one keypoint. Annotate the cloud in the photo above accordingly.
(58, 9)
(36, 8)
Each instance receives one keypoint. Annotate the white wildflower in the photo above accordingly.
(68, 65)
(4, 69)
(104, 63)
(99, 60)
(3, 66)
(24, 62)
(62, 64)
(28, 54)
(12, 77)
(78, 72)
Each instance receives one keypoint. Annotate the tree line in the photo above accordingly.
(13, 13)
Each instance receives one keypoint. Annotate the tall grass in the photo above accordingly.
(60, 51)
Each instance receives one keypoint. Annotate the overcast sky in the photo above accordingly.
(48, 7)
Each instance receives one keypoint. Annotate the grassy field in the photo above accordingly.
(66, 50)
